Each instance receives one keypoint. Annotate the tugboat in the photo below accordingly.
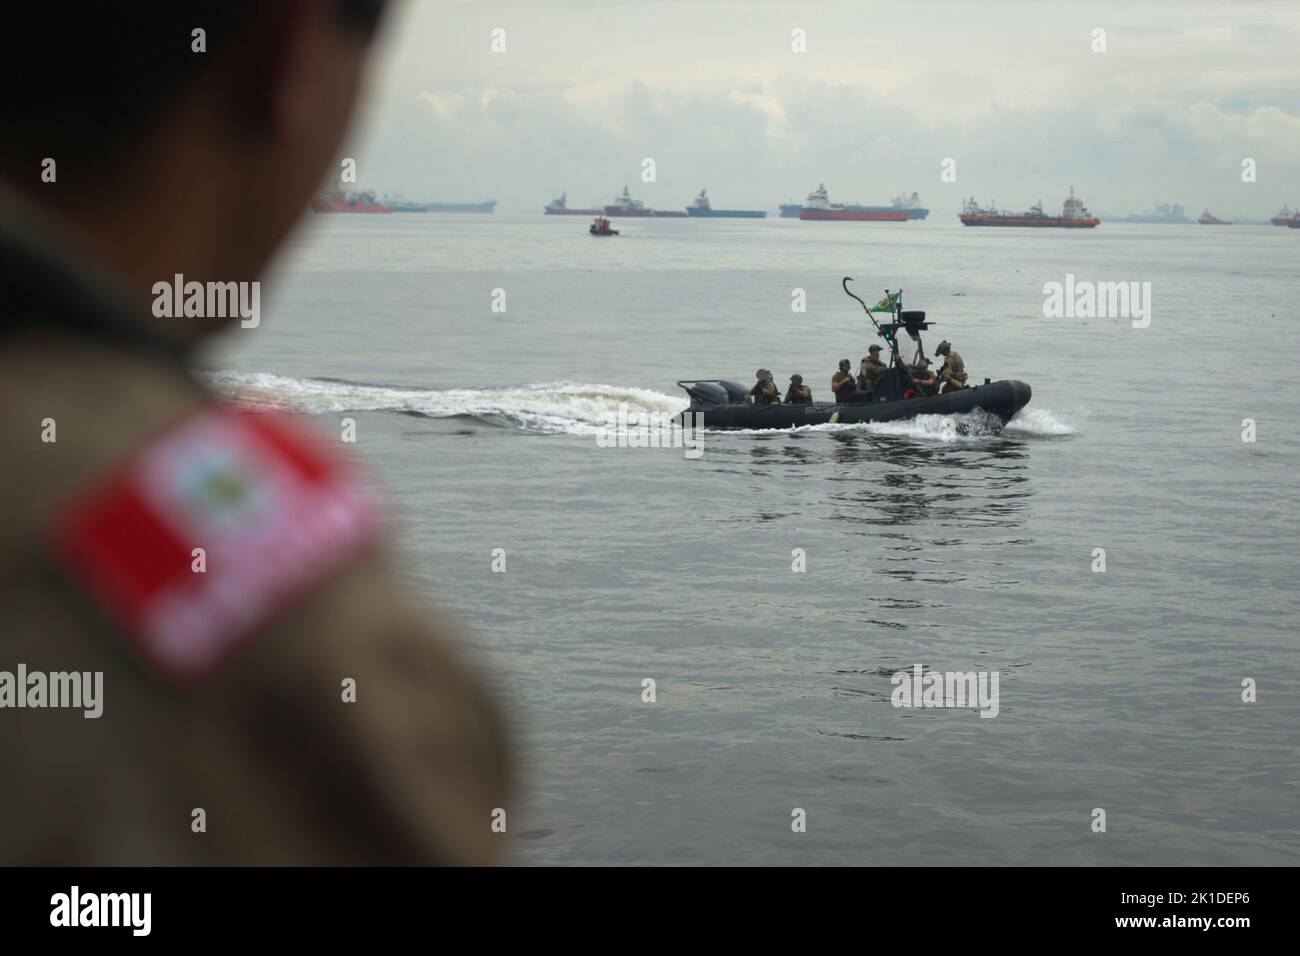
(601, 227)
(1207, 219)
(726, 404)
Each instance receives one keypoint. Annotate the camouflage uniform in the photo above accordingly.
(798, 393)
(872, 369)
(239, 708)
(953, 372)
(765, 391)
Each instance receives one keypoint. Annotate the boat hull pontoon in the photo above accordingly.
(1001, 399)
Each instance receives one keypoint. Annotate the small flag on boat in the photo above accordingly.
(887, 304)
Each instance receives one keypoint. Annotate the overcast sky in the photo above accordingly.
(884, 93)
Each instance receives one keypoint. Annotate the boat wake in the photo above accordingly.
(971, 426)
(571, 408)
(553, 407)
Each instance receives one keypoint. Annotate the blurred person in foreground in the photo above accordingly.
(206, 656)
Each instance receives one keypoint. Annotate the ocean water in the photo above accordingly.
(956, 546)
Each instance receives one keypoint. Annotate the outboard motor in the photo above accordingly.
(716, 392)
(705, 393)
(736, 392)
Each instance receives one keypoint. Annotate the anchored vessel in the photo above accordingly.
(908, 204)
(560, 207)
(819, 207)
(351, 202)
(1074, 215)
(487, 205)
(703, 209)
(625, 205)
(1208, 219)
(723, 403)
(1286, 216)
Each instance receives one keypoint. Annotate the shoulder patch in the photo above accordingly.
(274, 511)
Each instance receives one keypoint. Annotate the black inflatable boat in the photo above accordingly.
(725, 404)
(722, 403)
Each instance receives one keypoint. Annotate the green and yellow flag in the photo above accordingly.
(887, 304)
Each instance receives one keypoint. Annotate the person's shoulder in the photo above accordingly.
(71, 408)
(194, 538)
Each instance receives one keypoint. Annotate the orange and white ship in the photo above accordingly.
(1209, 219)
(1074, 215)
(351, 202)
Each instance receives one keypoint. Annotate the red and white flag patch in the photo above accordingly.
(273, 511)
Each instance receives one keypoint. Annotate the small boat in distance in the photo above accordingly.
(702, 208)
(1208, 219)
(1285, 216)
(601, 227)
(625, 205)
(560, 207)
(1074, 215)
(351, 202)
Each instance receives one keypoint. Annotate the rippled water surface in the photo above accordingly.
(962, 548)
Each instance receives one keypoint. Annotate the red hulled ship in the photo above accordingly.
(354, 202)
(1074, 215)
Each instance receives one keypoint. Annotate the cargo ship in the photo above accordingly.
(401, 205)
(487, 205)
(1208, 219)
(1286, 216)
(1074, 215)
(352, 202)
(625, 205)
(791, 210)
(702, 208)
(818, 207)
(908, 204)
(560, 207)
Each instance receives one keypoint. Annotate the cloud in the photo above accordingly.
(885, 92)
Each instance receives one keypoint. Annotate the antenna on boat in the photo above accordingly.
(891, 338)
(845, 283)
